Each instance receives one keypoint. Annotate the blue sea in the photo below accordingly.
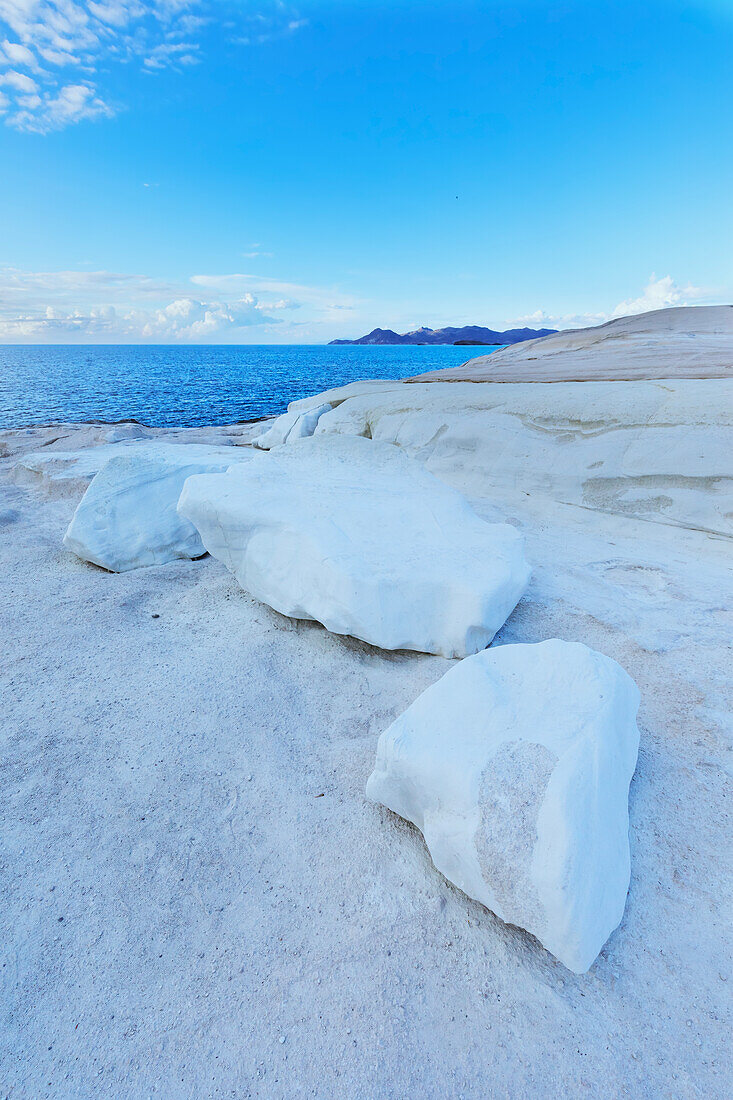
(190, 386)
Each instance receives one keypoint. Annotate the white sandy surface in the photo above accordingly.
(199, 901)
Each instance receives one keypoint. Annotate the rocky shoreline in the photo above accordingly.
(193, 866)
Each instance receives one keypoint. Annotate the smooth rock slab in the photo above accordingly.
(359, 537)
(516, 767)
(128, 518)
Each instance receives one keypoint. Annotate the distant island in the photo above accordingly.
(469, 334)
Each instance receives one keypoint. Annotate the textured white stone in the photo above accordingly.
(516, 767)
(127, 518)
(301, 419)
(357, 536)
(658, 451)
(290, 426)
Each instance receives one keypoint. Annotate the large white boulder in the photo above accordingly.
(359, 537)
(127, 518)
(516, 767)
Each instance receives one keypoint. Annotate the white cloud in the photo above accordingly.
(109, 306)
(262, 28)
(72, 103)
(183, 319)
(16, 54)
(542, 319)
(167, 53)
(190, 319)
(657, 294)
(45, 37)
(328, 302)
(19, 82)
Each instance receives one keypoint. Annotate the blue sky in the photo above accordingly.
(262, 172)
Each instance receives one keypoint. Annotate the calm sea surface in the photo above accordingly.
(190, 386)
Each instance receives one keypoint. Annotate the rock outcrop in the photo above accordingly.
(302, 416)
(661, 452)
(682, 342)
(516, 767)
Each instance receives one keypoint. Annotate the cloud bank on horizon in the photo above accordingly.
(106, 307)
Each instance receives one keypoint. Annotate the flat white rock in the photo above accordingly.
(516, 767)
(127, 518)
(359, 537)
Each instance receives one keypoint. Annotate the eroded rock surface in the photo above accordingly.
(656, 451)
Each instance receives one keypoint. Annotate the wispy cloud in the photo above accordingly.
(109, 306)
(264, 27)
(659, 293)
(329, 303)
(54, 53)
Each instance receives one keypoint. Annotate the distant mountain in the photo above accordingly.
(469, 334)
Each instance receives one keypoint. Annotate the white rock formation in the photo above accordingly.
(681, 342)
(358, 537)
(658, 451)
(516, 768)
(290, 426)
(302, 417)
(127, 518)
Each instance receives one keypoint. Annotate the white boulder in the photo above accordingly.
(516, 766)
(359, 537)
(127, 518)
